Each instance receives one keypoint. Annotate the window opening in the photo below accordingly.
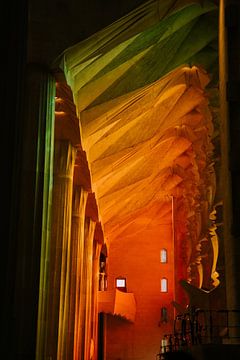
(102, 273)
(164, 285)
(163, 256)
(121, 284)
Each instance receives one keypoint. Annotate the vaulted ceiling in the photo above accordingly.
(149, 145)
(142, 93)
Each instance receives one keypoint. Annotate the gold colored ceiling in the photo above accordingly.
(145, 120)
(146, 146)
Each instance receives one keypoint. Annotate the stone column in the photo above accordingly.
(46, 147)
(89, 249)
(33, 221)
(229, 70)
(64, 159)
(84, 326)
(96, 256)
(76, 265)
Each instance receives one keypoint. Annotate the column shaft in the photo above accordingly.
(84, 325)
(97, 249)
(64, 159)
(229, 81)
(34, 208)
(76, 264)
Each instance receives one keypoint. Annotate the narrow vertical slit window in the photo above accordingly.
(102, 273)
(164, 285)
(163, 256)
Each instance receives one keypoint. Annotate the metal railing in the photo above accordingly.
(201, 327)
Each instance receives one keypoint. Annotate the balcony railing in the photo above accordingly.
(202, 327)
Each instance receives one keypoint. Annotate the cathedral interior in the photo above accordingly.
(122, 214)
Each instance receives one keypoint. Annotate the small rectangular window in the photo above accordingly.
(164, 285)
(121, 283)
(163, 256)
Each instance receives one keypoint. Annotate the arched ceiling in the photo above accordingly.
(149, 145)
(139, 87)
(140, 48)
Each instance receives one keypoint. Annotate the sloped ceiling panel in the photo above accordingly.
(114, 61)
(139, 89)
(147, 147)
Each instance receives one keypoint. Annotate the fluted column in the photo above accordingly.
(35, 192)
(84, 326)
(76, 266)
(64, 159)
(89, 238)
(96, 256)
(73, 267)
(46, 141)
